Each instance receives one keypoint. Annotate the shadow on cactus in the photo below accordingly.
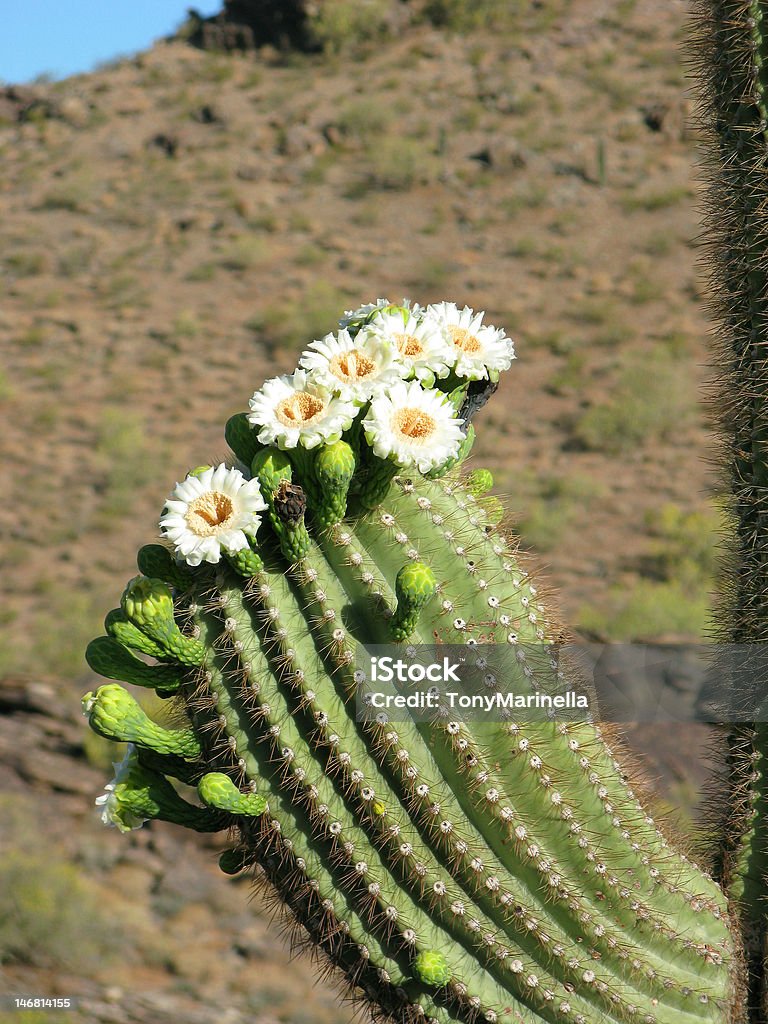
(450, 871)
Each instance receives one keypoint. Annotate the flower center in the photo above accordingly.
(351, 366)
(408, 345)
(209, 513)
(299, 408)
(463, 340)
(415, 425)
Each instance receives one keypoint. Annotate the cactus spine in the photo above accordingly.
(451, 871)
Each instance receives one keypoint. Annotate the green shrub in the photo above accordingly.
(685, 544)
(26, 263)
(552, 504)
(461, 15)
(398, 163)
(296, 324)
(647, 611)
(244, 252)
(652, 399)
(340, 25)
(49, 915)
(364, 117)
(125, 455)
(650, 201)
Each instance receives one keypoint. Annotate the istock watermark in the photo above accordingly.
(425, 682)
(386, 669)
(563, 682)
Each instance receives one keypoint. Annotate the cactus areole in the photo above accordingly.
(450, 870)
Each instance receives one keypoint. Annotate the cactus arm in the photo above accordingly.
(323, 804)
(390, 888)
(750, 866)
(696, 960)
(345, 738)
(485, 561)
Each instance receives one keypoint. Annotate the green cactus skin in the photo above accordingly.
(733, 61)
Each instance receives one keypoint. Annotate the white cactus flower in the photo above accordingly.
(413, 427)
(210, 511)
(114, 813)
(293, 409)
(354, 368)
(419, 342)
(480, 351)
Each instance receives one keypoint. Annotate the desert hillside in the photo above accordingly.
(177, 227)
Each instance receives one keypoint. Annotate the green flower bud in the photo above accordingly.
(286, 501)
(156, 561)
(334, 469)
(219, 791)
(107, 657)
(138, 794)
(118, 625)
(113, 713)
(479, 482)
(415, 584)
(245, 562)
(431, 967)
(148, 603)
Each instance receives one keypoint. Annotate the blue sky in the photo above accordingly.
(64, 37)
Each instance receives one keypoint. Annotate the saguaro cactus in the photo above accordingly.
(450, 870)
(732, 54)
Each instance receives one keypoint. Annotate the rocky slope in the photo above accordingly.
(178, 226)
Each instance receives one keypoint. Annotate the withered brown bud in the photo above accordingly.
(478, 393)
(290, 502)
